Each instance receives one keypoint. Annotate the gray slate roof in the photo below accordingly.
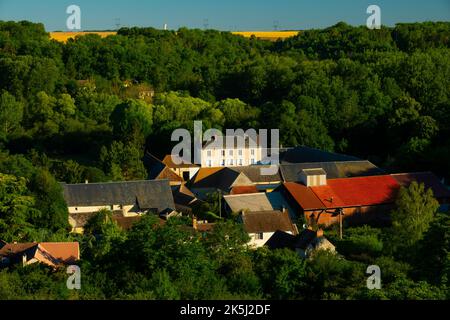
(255, 175)
(149, 194)
(334, 170)
(248, 202)
(306, 154)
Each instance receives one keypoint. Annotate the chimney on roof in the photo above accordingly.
(313, 177)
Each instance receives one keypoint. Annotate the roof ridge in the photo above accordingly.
(244, 194)
(116, 182)
(416, 172)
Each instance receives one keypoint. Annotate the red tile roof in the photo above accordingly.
(244, 190)
(359, 191)
(328, 197)
(303, 196)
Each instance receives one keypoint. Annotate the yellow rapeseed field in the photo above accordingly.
(268, 35)
(64, 36)
(264, 35)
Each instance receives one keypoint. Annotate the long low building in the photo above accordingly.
(125, 199)
(357, 199)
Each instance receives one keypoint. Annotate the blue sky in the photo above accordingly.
(223, 15)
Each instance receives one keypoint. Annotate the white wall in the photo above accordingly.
(126, 209)
(256, 243)
(217, 157)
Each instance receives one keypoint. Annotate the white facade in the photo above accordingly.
(127, 210)
(237, 157)
(258, 240)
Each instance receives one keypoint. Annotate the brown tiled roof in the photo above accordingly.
(267, 221)
(49, 253)
(427, 178)
(14, 248)
(303, 196)
(66, 252)
(168, 161)
(167, 173)
(244, 190)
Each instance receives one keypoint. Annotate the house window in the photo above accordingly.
(240, 162)
(208, 153)
(230, 162)
(223, 162)
(223, 153)
(259, 236)
(209, 163)
(240, 152)
(252, 152)
(253, 161)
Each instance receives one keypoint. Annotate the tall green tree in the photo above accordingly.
(11, 113)
(17, 209)
(415, 209)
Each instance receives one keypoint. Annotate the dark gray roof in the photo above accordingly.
(183, 196)
(148, 194)
(249, 142)
(305, 238)
(306, 154)
(255, 175)
(334, 170)
(314, 172)
(281, 240)
(223, 179)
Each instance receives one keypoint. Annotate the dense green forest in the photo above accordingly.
(75, 111)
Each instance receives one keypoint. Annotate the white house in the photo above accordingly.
(261, 226)
(234, 151)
